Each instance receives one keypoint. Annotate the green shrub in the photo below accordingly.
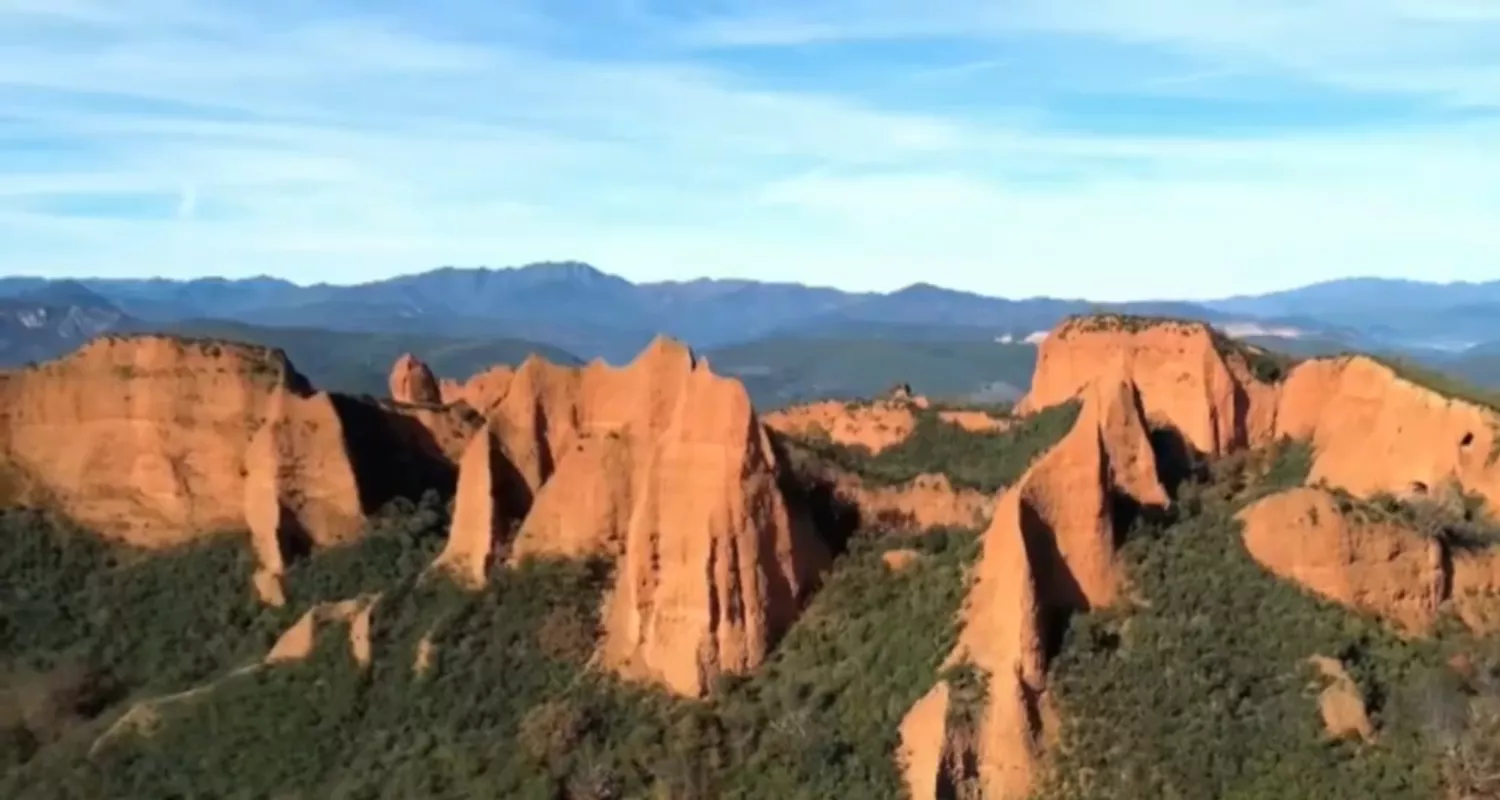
(508, 707)
(1203, 690)
(985, 461)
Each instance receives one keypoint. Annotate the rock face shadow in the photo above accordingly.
(816, 498)
(1177, 462)
(393, 455)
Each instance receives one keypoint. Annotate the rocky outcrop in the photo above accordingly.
(481, 390)
(927, 501)
(1374, 431)
(924, 503)
(899, 560)
(1475, 590)
(158, 440)
(1340, 702)
(931, 753)
(1050, 548)
(1189, 376)
(491, 498)
(1372, 561)
(322, 463)
(412, 382)
(300, 487)
(438, 434)
(873, 426)
(664, 467)
(975, 421)
(1377, 566)
(142, 439)
(298, 642)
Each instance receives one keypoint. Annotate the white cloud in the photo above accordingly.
(319, 142)
(1445, 48)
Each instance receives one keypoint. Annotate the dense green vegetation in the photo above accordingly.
(1202, 688)
(506, 708)
(1457, 519)
(986, 461)
(88, 627)
(783, 371)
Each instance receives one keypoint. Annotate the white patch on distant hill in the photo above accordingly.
(1240, 330)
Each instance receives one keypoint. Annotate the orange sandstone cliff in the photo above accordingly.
(1050, 548)
(1188, 375)
(1374, 431)
(926, 502)
(143, 439)
(662, 466)
(159, 440)
(1372, 565)
(873, 426)
(412, 382)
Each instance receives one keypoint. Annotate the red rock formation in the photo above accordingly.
(1341, 703)
(1475, 590)
(480, 391)
(899, 560)
(928, 501)
(157, 440)
(975, 421)
(663, 466)
(491, 497)
(412, 382)
(925, 502)
(1050, 545)
(1376, 566)
(300, 487)
(930, 752)
(298, 642)
(143, 439)
(1187, 374)
(873, 426)
(437, 433)
(323, 462)
(1373, 431)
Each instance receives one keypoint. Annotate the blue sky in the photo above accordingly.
(1104, 148)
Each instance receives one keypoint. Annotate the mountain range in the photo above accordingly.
(570, 311)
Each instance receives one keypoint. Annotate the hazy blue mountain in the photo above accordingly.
(1360, 295)
(1387, 313)
(46, 320)
(588, 312)
(584, 310)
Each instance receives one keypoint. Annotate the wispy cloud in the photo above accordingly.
(1110, 147)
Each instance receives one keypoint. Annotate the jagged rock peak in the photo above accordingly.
(413, 382)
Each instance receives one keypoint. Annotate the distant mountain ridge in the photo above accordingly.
(579, 310)
(48, 319)
(584, 310)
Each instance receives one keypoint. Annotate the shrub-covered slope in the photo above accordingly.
(125, 674)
